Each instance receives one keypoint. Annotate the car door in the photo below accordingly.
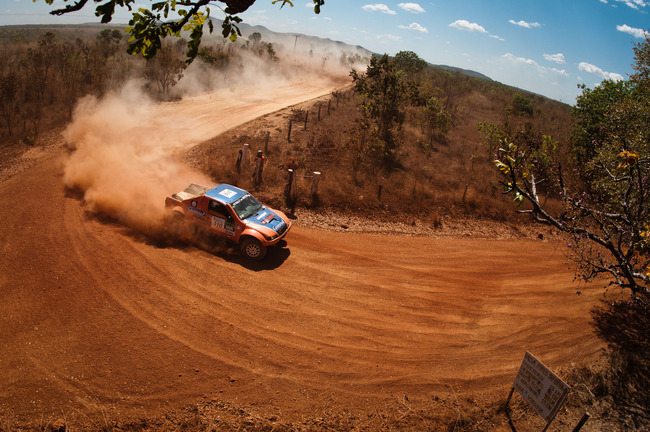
(221, 221)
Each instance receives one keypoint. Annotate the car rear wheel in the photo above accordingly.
(251, 248)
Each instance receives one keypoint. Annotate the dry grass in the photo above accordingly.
(455, 177)
(448, 412)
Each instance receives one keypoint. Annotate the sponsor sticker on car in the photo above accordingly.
(196, 211)
(228, 193)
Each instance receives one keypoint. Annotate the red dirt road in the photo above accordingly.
(96, 318)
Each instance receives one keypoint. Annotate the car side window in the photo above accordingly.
(215, 207)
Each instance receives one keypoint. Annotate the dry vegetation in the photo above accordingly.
(45, 70)
(453, 179)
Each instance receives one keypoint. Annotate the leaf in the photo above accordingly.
(105, 11)
(518, 198)
(629, 159)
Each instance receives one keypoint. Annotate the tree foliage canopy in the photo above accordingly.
(391, 88)
(149, 26)
(384, 89)
(603, 185)
(606, 211)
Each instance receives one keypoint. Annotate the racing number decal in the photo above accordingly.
(220, 224)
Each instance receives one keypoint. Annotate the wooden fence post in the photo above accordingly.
(266, 142)
(314, 186)
(329, 104)
(582, 422)
(381, 185)
(289, 134)
(259, 166)
(290, 191)
(239, 161)
(319, 106)
(306, 118)
(244, 157)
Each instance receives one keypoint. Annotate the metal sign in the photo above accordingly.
(540, 388)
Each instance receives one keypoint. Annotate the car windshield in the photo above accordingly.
(246, 206)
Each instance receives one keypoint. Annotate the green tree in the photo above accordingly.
(521, 105)
(149, 26)
(592, 114)
(214, 56)
(385, 93)
(40, 61)
(10, 82)
(409, 62)
(109, 40)
(71, 75)
(165, 69)
(433, 119)
(606, 216)
(255, 38)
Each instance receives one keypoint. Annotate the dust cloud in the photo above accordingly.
(302, 59)
(124, 160)
(128, 150)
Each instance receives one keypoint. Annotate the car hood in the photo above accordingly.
(268, 218)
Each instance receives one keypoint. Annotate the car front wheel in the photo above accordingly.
(251, 248)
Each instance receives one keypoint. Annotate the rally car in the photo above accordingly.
(232, 213)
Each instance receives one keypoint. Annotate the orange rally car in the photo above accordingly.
(232, 213)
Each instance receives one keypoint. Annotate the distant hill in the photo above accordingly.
(304, 43)
(465, 71)
(300, 44)
(288, 42)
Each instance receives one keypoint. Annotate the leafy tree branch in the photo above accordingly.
(149, 26)
(605, 205)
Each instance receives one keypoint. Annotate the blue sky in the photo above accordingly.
(548, 47)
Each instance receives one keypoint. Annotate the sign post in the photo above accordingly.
(540, 388)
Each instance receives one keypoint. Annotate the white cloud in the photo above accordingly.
(592, 69)
(636, 32)
(522, 60)
(634, 4)
(411, 7)
(560, 72)
(533, 64)
(555, 58)
(415, 27)
(466, 25)
(379, 7)
(524, 24)
(385, 38)
(472, 27)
